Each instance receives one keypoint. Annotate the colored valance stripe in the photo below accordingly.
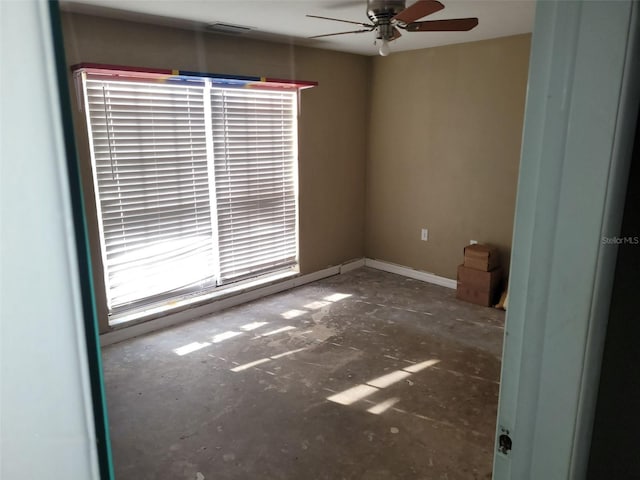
(168, 75)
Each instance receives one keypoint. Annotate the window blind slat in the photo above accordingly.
(142, 199)
(118, 249)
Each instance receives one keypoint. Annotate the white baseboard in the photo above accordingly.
(126, 332)
(130, 331)
(410, 272)
(347, 267)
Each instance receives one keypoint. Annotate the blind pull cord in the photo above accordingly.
(106, 120)
(226, 131)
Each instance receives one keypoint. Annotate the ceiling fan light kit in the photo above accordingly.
(384, 49)
(387, 17)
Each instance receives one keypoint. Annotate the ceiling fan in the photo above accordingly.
(386, 17)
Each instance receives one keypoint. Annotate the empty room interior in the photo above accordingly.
(300, 247)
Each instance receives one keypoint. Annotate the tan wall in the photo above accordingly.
(332, 127)
(445, 133)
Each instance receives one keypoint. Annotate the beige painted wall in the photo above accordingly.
(445, 133)
(332, 127)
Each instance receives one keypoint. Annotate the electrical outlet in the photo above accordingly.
(424, 236)
(472, 242)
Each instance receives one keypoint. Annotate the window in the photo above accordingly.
(254, 154)
(195, 181)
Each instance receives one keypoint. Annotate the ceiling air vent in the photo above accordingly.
(227, 29)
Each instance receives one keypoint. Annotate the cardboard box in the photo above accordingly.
(481, 257)
(478, 286)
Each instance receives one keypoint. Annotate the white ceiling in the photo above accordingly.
(284, 20)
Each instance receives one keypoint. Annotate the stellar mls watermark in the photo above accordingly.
(621, 240)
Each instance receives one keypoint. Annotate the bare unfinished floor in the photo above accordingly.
(366, 375)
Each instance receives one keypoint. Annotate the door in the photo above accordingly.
(581, 109)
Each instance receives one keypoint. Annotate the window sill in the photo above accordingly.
(151, 312)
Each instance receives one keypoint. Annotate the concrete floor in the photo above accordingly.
(366, 375)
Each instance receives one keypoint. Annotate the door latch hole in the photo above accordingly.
(504, 443)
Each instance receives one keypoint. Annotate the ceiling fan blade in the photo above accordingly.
(341, 33)
(420, 9)
(452, 25)
(396, 34)
(339, 20)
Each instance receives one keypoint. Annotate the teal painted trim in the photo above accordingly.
(579, 124)
(82, 247)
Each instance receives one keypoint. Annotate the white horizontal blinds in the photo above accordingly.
(150, 164)
(254, 138)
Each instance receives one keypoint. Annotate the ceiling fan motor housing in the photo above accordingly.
(380, 12)
(384, 10)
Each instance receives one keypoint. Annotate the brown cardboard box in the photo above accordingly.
(481, 257)
(477, 286)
